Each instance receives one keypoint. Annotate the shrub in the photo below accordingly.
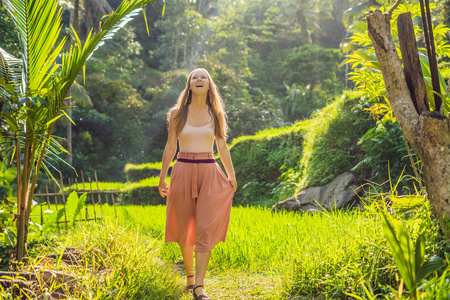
(386, 154)
(136, 173)
(258, 159)
(273, 164)
(331, 145)
(144, 192)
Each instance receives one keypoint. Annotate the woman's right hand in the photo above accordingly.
(163, 188)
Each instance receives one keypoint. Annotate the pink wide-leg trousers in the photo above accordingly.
(198, 203)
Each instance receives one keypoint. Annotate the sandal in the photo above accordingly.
(189, 288)
(201, 297)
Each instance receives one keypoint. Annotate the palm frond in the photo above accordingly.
(39, 24)
(10, 70)
(74, 59)
(80, 95)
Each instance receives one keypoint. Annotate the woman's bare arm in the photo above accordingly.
(225, 157)
(169, 153)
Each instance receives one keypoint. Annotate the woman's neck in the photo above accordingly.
(198, 102)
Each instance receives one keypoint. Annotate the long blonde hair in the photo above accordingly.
(213, 100)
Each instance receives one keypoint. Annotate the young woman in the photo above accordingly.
(200, 195)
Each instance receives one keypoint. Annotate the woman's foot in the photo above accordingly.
(189, 284)
(199, 293)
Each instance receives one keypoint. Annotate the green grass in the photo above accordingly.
(278, 254)
(127, 260)
(303, 253)
(266, 256)
(271, 132)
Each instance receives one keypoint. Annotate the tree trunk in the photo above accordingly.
(199, 5)
(185, 51)
(76, 16)
(428, 132)
(304, 36)
(411, 63)
(23, 195)
(88, 17)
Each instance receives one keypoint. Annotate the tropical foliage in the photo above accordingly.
(410, 259)
(34, 87)
(366, 71)
(244, 45)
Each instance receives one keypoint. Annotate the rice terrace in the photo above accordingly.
(219, 149)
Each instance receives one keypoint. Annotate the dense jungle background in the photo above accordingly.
(305, 103)
(275, 62)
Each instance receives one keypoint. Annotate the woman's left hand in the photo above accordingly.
(233, 182)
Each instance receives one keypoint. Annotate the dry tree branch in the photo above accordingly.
(394, 7)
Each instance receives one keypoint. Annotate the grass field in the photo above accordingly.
(267, 255)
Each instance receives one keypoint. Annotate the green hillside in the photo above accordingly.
(275, 163)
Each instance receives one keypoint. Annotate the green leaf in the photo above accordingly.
(395, 246)
(433, 264)
(163, 9)
(10, 174)
(35, 224)
(145, 19)
(54, 217)
(408, 254)
(53, 120)
(67, 116)
(12, 199)
(9, 88)
(11, 122)
(40, 99)
(74, 205)
(10, 71)
(419, 252)
(5, 215)
(9, 237)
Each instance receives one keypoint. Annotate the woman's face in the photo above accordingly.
(199, 82)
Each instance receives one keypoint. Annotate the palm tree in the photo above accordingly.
(87, 8)
(307, 13)
(34, 87)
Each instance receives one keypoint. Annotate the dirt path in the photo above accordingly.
(238, 285)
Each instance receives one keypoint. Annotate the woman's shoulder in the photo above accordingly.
(172, 112)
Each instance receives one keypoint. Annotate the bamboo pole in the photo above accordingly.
(48, 206)
(78, 193)
(48, 198)
(114, 205)
(92, 198)
(82, 179)
(56, 203)
(64, 199)
(98, 189)
(42, 217)
(86, 213)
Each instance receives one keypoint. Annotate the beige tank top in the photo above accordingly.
(197, 138)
